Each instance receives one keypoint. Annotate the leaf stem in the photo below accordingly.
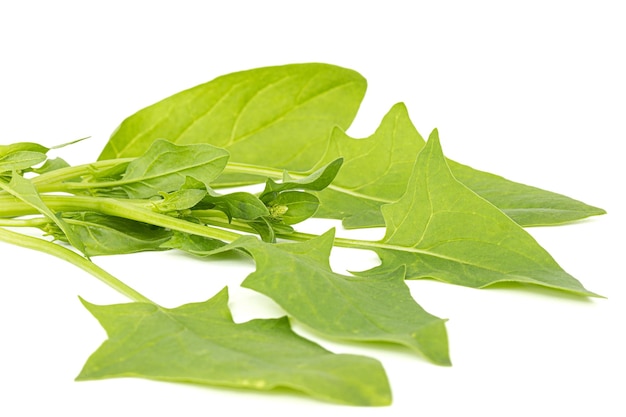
(137, 210)
(53, 180)
(34, 222)
(68, 255)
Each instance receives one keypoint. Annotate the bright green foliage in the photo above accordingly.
(238, 205)
(441, 229)
(180, 200)
(292, 207)
(154, 188)
(281, 117)
(17, 161)
(377, 169)
(316, 181)
(6, 150)
(22, 189)
(283, 114)
(528, 206)
(51, 165)
(165, 167)
(197, 245)
(375, 308)
(109, 235)
(200, 343)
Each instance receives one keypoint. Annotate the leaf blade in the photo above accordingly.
(375, 308)
(377, 169)
(209, 348)
(443, 230)
(249, 113)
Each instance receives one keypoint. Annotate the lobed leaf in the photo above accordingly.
(199, 343)
(281, 117)
(526, 205)
(441, 229)
(377, 169)
(375, 308)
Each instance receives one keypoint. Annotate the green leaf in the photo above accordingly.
(292, 207)
(22, 147)
(238, 205)
(51, 165)
(267, 228)
(108, 235)
(196, 245)
(315, 181)
(199, 343)
(368, 309)
(165, 167)
(283, 113)
(20, 160)
(182, 199)
(377, 169)
(526, 205)
(441, 229)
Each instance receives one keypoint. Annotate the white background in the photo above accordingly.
(533, 91)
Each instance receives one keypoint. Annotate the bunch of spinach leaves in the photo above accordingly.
(159, 185)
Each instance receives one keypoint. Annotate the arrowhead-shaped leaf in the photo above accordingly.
(441, 229)
(200, 343)
(285, 113)
(526, 205)
(377, 169)
(375, 308)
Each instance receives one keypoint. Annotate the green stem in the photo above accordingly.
(339, 241)
(34, 222)
(237, 168)
(138, 210)
(74, 258)
(54, 180)
(295, 236)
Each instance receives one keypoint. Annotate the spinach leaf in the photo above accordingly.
(441, 229)
(154, 189)
(238, 205)
(368, 309)
(6, 150)
(282, 118)
(20, 160)
(51, 165)
(316, 181)
(108, 235)
(281, 113)
(199, 343)
(378, 168)
(163, 168)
